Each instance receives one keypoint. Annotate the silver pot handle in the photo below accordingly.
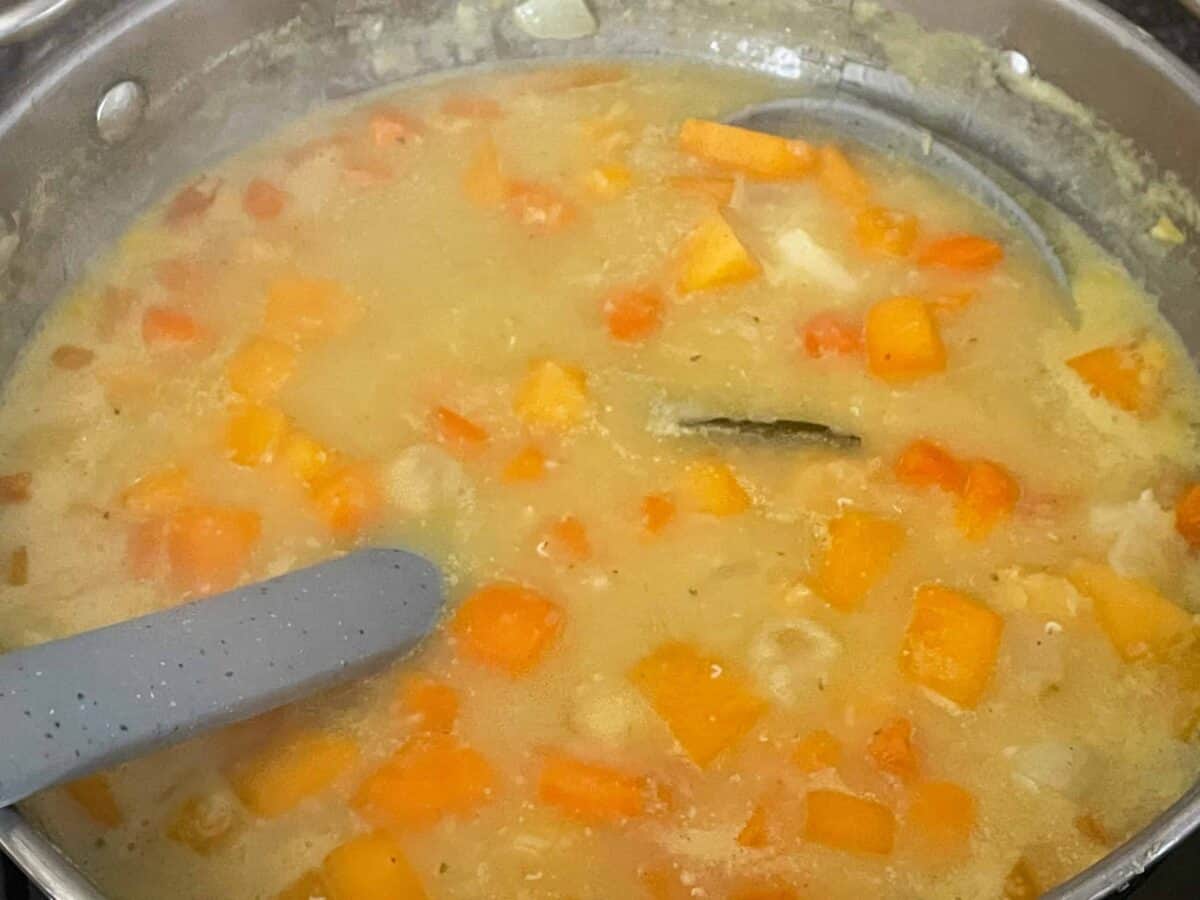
(22, 20)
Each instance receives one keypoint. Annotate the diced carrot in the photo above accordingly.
(369, 867)
(1021, 883)
(951, 644)
(1121, 375)
(1136, 617)
(483, 181)
(529, 464)
(162, 326)
(182, 275)
(634, 314)
(588, 792)
(658, 511)
(263, 200)
(192, 202)
(470, 106)
(552, 394)
(924, 464)
(301, 310)
(390, 126)
(16, 488)
(309, 886)
(303, 456)
(710, 486)
(707, 704)
(145, 544)
(845, 822)
(1187, 515)
(71, 357)
(963, 252)
(204, 824)
(458, 434)
(348, 499)
(943, 813)
(989, 495)
(508, 627)
(886, 231)
(859, 553)
(18, 567)
(260, 368)
(566, 539)
(159, 492)
(903, 342)
(816, 751)
(280, 777)
(719, 188)
(840, 180)
(1092, 829)
(95, 795)
(713, 257)
(608, 181)
(431, 703)
(430, 777)
(754, 833)
(891, 750)
(539, 208)
(253, 435)
(831, 334)
(753, 152)
(208, 547)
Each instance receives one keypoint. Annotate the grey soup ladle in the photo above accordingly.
(72, 706)
(887, 133)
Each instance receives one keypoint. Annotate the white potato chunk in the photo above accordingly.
(1145, 543)
(424, 478)
(607, 712)
(791, 658)
(802, 259)
(1067, 768)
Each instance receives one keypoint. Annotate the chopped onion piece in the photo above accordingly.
(805, 259)
(557, 20)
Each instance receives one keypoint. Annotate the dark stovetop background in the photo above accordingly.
(1178, 877)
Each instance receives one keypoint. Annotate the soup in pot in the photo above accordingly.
(796, 542)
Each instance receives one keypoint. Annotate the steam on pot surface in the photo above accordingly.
(804, 534)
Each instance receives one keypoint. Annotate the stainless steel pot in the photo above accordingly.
(129, 96)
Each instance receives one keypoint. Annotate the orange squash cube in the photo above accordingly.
(208, 547)
(507, 626)
(716, 188)
(528, 465)
(303, 456)
(860, 551)
(458, 434)
(301, 310)
(1187, 515)
(567, 541)
(347, 499)
(707, 704)
(253, 435)
(1136, 617)
(431, 704)
(886, 231)
(1121, 375)
(754, 833)
(711, 486)
(951, 644)
(263, 200)
(588, 792)
(989, 496)
(891, 750)
(943, 813)
(164, 327)
(260, 368)
(962, 252)
(608, 181)
(160, 492)
(285, 774)
(94, 794)
(924, 464)
(753, 152)
(204, 824)
(845, 822)
(429, 778)
(903, 341)
(369, 867)
(658, 511)
(713, 257)
(840, 180)
(633, 315)
(553, 394)
(816, 751)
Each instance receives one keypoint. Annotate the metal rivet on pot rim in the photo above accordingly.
(120, 111)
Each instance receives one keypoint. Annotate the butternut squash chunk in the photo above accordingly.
(588, 792)
(1136, 617)
(713, 257)
(508, 627)
(860, 552)
(285, 774)
(370, 867)
(845, 822)
(951, 644)
(903, 341)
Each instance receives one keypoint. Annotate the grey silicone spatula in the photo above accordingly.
(71, 706)
(880, 130)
